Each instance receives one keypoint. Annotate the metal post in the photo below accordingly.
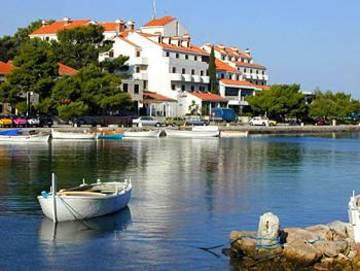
(53, 186)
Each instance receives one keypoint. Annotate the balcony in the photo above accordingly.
(234, 100)
(141, 61)
(205, 79)
(196, 78)
(140, 76)
(176, 77)
(187, 77)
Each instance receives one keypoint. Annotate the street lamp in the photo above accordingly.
(28, 102)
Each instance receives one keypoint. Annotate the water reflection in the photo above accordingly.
(79, 231)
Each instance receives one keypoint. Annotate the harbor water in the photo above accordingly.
(188, 194)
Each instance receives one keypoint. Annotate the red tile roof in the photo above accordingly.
(231, 52)
(160, 21)
(155, 97)
(250, 65)
(58, 26)
(238, 83)
(6, 68)
(222, 66)
(66, 70)
(208, 96)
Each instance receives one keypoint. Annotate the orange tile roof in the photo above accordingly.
(231, 52)
(108, 26)
(222, 66)
(155, 97)
(6, 68)
(238, 83)
(250, 65)
(208, 96)
(191, 49)
(160, 21)
(58, 26)
(66, 70)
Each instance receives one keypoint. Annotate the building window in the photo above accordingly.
(183, 71)
(201, 88)
(229, 75)
(192, 87)
(137, 69)
(177, 55)
(222, 76)
(173, 70)
(125, 87)
(167, 54)
(136, 89)
(173, 87)
(137, 53)
(186, 56)
(192, 72)
(207, 72)
(223, 57)
(195, 58)
(183, 87)
(111, 54)
(257, 71)
(263, 72)
(145, 84)
(245, 70)
(202, 73)
(251, 71)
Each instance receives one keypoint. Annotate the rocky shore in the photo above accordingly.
(318, 247)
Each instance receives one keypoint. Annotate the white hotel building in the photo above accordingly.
(168, 72)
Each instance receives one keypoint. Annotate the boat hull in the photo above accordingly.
(78, 208)
(24, 138)
(191, 134)
(233, 134)
(154, 133)
(72, 136)
(111, 137)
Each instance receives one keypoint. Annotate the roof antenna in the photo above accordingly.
(154, 10)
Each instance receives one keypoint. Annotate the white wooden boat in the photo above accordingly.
(73, 135)
(151, 133)
(195, 132)
(234, 134)
(18, 136)
(85, 201)
(354, 216)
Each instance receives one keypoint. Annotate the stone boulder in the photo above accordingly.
(244, 242)
(341, 230)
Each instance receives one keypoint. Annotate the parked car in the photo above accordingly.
(86, 120)
(261, 121)
(223, 114)
(33, 121)
(146, 121)
(19, 121)
(5, 121)
(194, 121)
(45, 121)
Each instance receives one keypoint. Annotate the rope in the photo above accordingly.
(276, 241)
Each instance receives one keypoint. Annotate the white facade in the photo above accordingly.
(173, 28)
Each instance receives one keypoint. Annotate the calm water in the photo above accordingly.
(187, 194)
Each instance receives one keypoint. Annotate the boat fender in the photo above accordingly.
(44, 194)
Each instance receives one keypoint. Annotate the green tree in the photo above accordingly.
(10, 45)
(212, 73)
(331, 105)
(115, 65)
(71, 110)
(36, 70)
(280, 102)
(79, 47)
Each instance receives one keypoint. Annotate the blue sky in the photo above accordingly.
(312, 42)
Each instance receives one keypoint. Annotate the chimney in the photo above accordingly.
(67, 20)
(247, 51)
(120, 26)
(43, 22)
(131, 25)
(186, 40)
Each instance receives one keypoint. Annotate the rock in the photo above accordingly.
(244, 242)
(322, 231)
(296, 234)
(268, 230)
(331, 249)
(301, 253)
(341, 230)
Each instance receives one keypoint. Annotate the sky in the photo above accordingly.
(315, 43)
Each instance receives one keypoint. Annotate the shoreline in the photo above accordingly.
(253, 130)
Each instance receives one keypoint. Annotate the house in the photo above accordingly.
(240, 60)
(50, 31)
(162, 55)
(203, 100)
(158, 105)
(5, 70)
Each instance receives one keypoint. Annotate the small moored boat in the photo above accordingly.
(85, 201)
(354, 216)
(195, 132)
(73, 135)
(150, 133)
(19, 136)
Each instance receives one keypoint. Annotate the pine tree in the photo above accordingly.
(212, 73)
